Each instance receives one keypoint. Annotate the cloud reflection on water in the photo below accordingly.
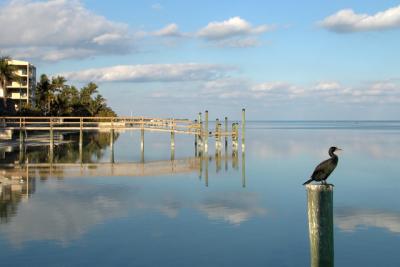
(351, 219)
(64, 212)
(285, 143)
(234, 208)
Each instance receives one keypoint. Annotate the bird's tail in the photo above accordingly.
(308, 181)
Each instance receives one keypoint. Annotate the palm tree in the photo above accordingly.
(43, 94)
(7, 73)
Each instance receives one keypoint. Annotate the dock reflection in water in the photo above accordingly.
(18, 177)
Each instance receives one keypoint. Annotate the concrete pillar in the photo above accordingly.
(320, 224)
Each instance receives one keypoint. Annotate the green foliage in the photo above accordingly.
(55, 98)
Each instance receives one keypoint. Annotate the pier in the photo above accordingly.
(201, 131)
(199, 128)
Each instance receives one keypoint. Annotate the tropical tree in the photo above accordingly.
(7, 73)
(55, 97)
(44, 94)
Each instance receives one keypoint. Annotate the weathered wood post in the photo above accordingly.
(21, 142)
(195, 138)
(172, 138)
(243, 127)
(112, 145)
(206, 132)
(226, 131)
(200, 140)
(142, 145)
(21, 132)
(234, 137)
(206, 158)
(216, 135)
(200, 133)
(200, 166)
(81, 140)
(243, 169)
(51, 140)
(320, 224)
(112, 141)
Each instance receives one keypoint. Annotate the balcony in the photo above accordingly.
(21, 72)
(19, 96)
(15, 84)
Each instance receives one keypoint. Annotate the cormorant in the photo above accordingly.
(325, 168)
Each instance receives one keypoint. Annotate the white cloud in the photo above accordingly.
(156, 6)
(233, 32)
(327, 86)
(151, 73)
(235, 26)
(238, 42)
(171, 30)
(347, 20)
(59, 29)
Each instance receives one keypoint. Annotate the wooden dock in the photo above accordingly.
(198, 128)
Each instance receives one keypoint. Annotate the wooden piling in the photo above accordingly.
(112, 146)
(320, 224)
(195, 136)
(81, 140)
(206, 132)
(51, 148)
(243, 127)
(216, 135)
(243, 169)
(226, 131)
(200, 138)
(142, 145)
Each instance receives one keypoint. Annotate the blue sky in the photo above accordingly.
(279, 59)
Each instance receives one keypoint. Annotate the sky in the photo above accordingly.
(281, 60)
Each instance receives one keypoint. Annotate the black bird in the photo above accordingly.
(325, 168)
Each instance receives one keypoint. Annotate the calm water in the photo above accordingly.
(199, 212)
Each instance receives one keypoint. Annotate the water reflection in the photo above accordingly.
(352, 219)
(67, 149)
(65, 210)
(320, 224)
(234, 208)
(18, 180)
(373, 144)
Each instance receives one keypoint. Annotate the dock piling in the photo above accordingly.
(226, 131)
(206, 132)
(142, 145)
(320, 224)
(81, 140)
(112, 145)
(243, 127)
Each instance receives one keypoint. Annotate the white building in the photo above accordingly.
(22, 88)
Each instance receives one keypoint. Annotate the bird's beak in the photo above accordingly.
(339, 149)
